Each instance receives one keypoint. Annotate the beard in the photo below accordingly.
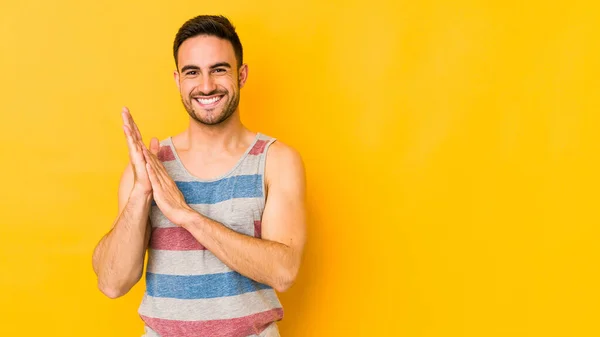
(214, 117)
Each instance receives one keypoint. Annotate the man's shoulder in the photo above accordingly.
(283, 162)
(283, 154)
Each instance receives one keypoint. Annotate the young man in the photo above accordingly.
(219, 209)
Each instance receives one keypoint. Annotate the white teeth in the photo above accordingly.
(208, 101)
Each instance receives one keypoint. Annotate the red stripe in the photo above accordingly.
(259, 147)
(174, 238)
(165, 153)
(234, 327)
(257, 229)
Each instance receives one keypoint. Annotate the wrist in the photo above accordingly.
(191, 219)
(140, 194)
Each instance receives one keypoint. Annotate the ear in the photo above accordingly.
(176, 77)
(243, 75)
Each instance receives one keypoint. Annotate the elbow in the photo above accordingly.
(116, 288)
(111, 292)
(283, 287)
(286, 280)
(113, 286)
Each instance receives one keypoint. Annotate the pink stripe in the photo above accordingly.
(165, 153)
(234, 327)
(257, 229)
(259, 147)
(174, 238)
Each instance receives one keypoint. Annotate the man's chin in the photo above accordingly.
(210, 121)
(208, 116)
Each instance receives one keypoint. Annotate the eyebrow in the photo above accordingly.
(216, 65)
(189, 67)
(220, 64)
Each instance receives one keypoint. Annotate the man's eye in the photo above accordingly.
(191, 73)
(219, 70)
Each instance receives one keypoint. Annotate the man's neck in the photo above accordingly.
(215, 138)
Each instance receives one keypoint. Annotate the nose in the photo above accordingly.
(207, 84)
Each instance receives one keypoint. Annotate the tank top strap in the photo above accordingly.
(254, 159)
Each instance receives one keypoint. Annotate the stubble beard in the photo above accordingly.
(227, 110)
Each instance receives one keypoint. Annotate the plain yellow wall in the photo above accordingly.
(451, 150)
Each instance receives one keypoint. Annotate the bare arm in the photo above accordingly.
(275, 258)
(119, 256)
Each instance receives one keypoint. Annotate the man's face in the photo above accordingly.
(208, 78)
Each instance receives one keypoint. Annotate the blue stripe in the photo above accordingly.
(242, 186)
(200, 286)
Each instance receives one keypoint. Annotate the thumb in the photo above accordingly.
(154, 146)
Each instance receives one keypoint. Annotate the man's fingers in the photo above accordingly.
(135, 155)
(154, 146)
(157, 168)
(156, 165)
(130, 141)
(137, 132)
(153, 178)
(152, 163)
(134, 128)
(128, 120)
(125, 116)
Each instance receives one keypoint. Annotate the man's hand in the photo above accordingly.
(118, 259)
(166, 194)
(141, 181)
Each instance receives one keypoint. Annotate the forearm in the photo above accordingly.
(264, 261)
(119, 257)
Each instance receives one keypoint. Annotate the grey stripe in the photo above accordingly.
(249, 166)
(237, 214)
(177, 262)
(210, 308)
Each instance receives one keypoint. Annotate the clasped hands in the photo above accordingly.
(151, 177)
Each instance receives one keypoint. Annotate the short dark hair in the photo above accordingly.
(212, 25)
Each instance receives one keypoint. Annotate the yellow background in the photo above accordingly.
(451, 151)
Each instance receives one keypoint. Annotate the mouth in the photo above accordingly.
(208, 102)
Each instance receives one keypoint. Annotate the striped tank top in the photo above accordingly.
(189, 291)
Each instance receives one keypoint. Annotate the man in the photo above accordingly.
(220, 209)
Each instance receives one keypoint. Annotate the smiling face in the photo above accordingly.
(208, 79)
